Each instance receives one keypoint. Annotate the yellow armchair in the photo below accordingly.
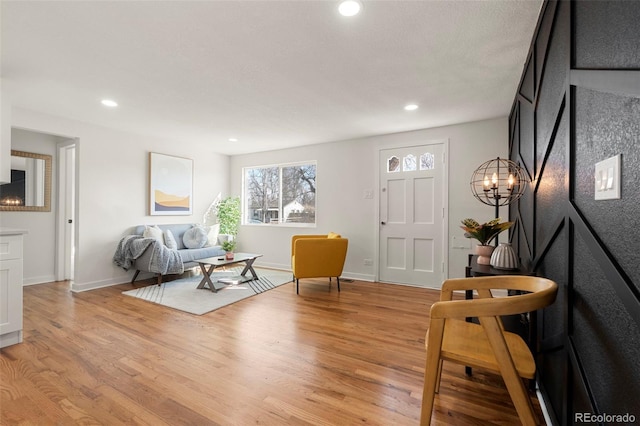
(314, 256)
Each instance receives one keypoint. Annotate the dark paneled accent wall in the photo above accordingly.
(578, 103)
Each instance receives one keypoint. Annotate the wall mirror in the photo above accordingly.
(30, 187)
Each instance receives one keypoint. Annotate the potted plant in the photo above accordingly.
(229, 213)
(229, 246)
(484, 233)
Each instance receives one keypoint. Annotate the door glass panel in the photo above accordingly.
(409, 164)
(393, 164)
(427, 161)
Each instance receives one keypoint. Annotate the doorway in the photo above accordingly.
(413, 214)
(65, 233)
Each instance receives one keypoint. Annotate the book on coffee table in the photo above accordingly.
(238, 279)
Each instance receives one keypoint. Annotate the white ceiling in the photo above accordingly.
(273, 74)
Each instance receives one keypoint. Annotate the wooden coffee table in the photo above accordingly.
(209, 264)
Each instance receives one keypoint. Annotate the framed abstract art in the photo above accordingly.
(170, 185)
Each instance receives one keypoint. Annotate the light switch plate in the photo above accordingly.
(607, 179)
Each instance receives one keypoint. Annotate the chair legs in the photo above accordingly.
(515, 385)
(135, 276)
(298, 284)
(432, 369)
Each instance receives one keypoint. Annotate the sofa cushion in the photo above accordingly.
(333, 235)
(153, 232)
(195, 237)
(169, 240)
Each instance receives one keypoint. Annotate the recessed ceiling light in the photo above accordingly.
(411, 107)
(233, 140)
(109, 103)
(349, 7)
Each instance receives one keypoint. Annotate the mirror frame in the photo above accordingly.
(47, 184)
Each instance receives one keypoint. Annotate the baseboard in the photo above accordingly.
(92, 285)
(543, 406)
(38, 280)
(359, 277)
(123, 279)
(12, 338)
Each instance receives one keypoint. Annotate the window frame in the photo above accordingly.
(280, 166)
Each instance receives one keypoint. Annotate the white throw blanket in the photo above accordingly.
(162, 260)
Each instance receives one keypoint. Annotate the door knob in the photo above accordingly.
(383, 223)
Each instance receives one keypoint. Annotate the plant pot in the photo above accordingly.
(504, 257)
(228, 255)
(484, 254)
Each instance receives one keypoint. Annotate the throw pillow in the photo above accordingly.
(153, 232)
(195, 237)
(333, 235)
(212, 236)
(169, 240)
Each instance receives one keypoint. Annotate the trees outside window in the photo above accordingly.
(280, 194)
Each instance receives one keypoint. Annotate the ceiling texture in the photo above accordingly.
(273, 74)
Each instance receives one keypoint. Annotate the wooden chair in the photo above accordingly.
(486, 345)
(314, 256)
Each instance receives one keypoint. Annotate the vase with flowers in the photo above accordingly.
(485, 233)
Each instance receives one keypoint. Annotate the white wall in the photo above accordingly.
(346, 169)
(113, 189)
(40, 243)
(5, 133)
(112, 179)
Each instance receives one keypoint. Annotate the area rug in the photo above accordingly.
(183, 295)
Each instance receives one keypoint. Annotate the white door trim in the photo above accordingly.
(445, 195)
(63, 265)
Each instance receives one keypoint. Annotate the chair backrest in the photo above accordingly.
(318, 256)
(536, 293)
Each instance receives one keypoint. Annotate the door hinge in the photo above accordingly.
(442, 268)
(443, 212)
(443, 158)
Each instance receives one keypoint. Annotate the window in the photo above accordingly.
(410, 163)
(280, 194)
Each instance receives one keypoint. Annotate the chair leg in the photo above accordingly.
(432, 365)
(338, 280)
(159, 279)
(135, 276)
(512, 380)
(297, 286)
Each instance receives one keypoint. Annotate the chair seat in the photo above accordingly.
(467, 344)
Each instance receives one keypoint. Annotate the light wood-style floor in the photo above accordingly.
(320, 358)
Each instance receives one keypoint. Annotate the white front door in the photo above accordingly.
(413, 212)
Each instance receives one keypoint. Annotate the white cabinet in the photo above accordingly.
(10, 286)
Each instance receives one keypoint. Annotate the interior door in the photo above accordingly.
(66, 211)
(413, 211)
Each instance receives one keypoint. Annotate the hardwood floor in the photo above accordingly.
(320, 358)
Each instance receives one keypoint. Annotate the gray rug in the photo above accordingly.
(183, 295)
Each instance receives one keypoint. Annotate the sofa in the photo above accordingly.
(187, 256)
